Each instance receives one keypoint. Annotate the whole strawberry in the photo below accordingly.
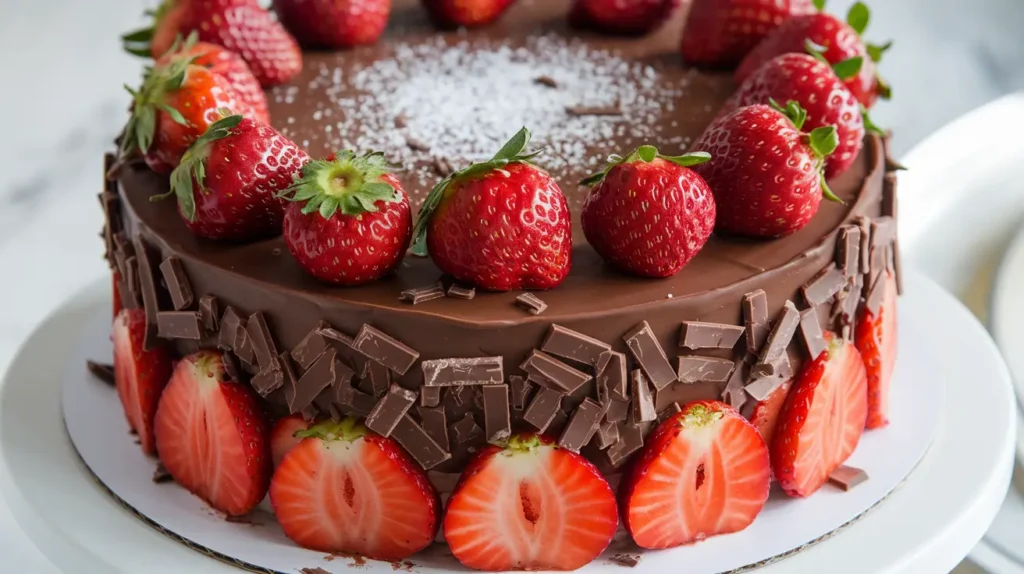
(627, 17)
(334, 23)
(765, 173)
(228, 182)
(812, 84)
(720, 32)
(836, 41)
(350, 221)
(500, 225)
(468, 13)
(649, 214)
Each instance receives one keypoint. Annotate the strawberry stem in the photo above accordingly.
(138, 42)
(646, 154)
(348, 429)
(699, 416)
(348, 183)
(849, 67)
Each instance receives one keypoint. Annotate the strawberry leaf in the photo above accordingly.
(858, 17)
(348, 183)
(514, 146)
(819, 4)
(793, 110)
(826, 191)
(174, 113)
(689, 159)
(870, 125)
(876, 51)
(823, 140)
(849, 67)
(145, 127)
(816, 50)
(883, 88)
(646, 153)
(137, 42)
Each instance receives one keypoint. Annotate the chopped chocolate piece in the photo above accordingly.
(244, 350)
(129, 300)
(310, 347)
(897, 266)
(209, 312)
(617, 411)
(551, 370)
(546, 81)
(696, 369)
(423, 294)
(607, 435)
(230, 325)
(177, 283)
(379, 377)
(416, 144)
(865, 243)
(824, 286)
(231, 367)
(569, 344)
(755, 319)
(580, 110)
(457, 395)
(384, 349)
(102, 371)
(781, 335)
(643, 402)
(671, 409)
(418, 443)
(443, 167)
(466, 429)
(160, 474)
(847, 477)
(531, 303)
(582, 426)
(401, 121)
(733, 392)
(611, 375)
(321, 375)
(150, 300)
(883, 231)
(520, 391)
(648, 353)
(267, 381)
(122, 251)
(497, 426)
(848, 306)
(542, 408)
(430, 396)
(179, 325)
(457, 372)
(631, 439)
(310, 412)
(262, 341)
(459, 292)
(699, 335)
(289, 372)
(132, 271)
(436, 425)
(762, 388)
(558, 423)
(353, 402)
(810, 328)
(389, 410)
(313, 570)
(889, 195)
(627, 560)
(875, 295)
(848, 256)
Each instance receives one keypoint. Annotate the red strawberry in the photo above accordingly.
(334, 23)
(282, 436)
(502, 224)
(876, 340)
(229, 65)
(630, 17)
(720, 32)
(345, 489)
(529, 506)
(765, 415)
(468, 13)
(840, 45)
(139, 374)
(649, 214)
(765, 173)
(350, 222)
(175, 105)
(703, 472)
(812, 84)
(212, 435)
(228, 182)
(822, 420)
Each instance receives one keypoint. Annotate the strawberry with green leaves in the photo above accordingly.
(649, 214)
(719, 33)
(500, 225)
(229, 181)
(349, 222)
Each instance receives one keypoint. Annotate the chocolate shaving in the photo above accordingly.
(430, 396)
(883, 231)
(179, 325)
(384, 349)
(132, 277)
(611, 375)
(810, 328)
(262, 342)
(848, 255)
(546, 81)
(542, 408)
(783, 333)
(389, 410)
(650, 355)
(497, 425)
(160, 474)
(697, 335)
(467, 371)
(847, 477)
(244, 350)
(459, 292)
(551, 371)
(436, 425)
(310, 347)
(643, 402)
(423, 294)
(313, 570)
(177, 283)
(607, 110)
(443, 167)
(607, 435)
(824, 286)
(401, 121)
(627, 560)
(531, 303)
(321, 375)
(416, 144)
(102, 371)
(150, 301)
(581, 427)
(696, 369)
(209, 312)
(570, 344)
(897, 266)
(466, 430)
(520, 390)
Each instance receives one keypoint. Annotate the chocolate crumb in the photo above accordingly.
(459, 292)
(608, 110)
(847, 477)
(423, 294)
(102, 371)
(315, 570)
(416, 144)
(546, 81)
(531, 303)
(160, 475)
(627, 560)
(401, 121)
(443, 167)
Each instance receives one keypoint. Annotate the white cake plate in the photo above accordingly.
(927, 525)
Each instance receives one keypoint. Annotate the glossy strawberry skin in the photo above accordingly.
(231, 67)
(632, 18)
(875, 338)
(649, 218)
(468, 13)
(813, 84)
(334, 24)
(282, 436)
(140, 375)
(351, 250)
(763, 175)
(503, 230)
(720, 33)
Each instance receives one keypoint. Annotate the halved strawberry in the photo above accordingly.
(876, 340)
(139, 375)
(822, 420)
(765, 415)
(115, 280)
(212, 435)
(703, 472)
(282, 436)
(346, 489)
(529, 506)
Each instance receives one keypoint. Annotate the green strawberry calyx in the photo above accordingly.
(514, 151)
(138, 42)
(646, 154)
(348, 183)
(348, 429)
(822, 140)
(193, 164)
(844, 69)
(148, 100)
(870, 125)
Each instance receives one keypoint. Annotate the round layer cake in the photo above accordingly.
(432, 101)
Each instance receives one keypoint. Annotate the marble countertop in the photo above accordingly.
(63, 103)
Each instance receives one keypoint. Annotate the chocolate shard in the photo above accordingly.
(497, 424)
(734, 394)
(848, 302)
(553, 372)
(262, 342)
(618, 411)
(883, 231)
(699, 335)
(611, 375)
(177, 283)
(209, 313)
(465, 371)
(389, 410)
(643, 401)
(865, 243)
(244, 350)
(558, 423)
(763, 388)
(607, 435)
(352, 402)
(519, 388)
(570, 344)
(897, 266)
(459, 292)
(267, 381)
(581, 110)
(102, 371)
(847, 477)
(466, 430)
(179, 325)
(755, 319)
(542, 408)
(418, 443)
(379, 379)
(669, 411)
(781, 335)
(582, 426)
(631, 439)
(824, 286)
(436, 425)
(546, 81)
(531, 303)
(810, 328)
(322, 374)
(310, 347)
(458, 394)
(648, 352)
(848, 252)
(889, 200)
(230, 325)
(627, 560)
(150, 300)
(430, 396)
(385, 349)
(696, 369)
(423, 294)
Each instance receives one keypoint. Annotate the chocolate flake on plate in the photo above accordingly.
(550, 370)
(643, 401)
(627, 560)
(582, 426)
(160, 474)
(443, 167)
(150, 301)
(389, 410)
(570, 344)
(262, 341)
(459, 292)
(810, 328)
(416, 144)
(847, 477)
(755, 319)
(177, 283)
(179, 325)
(418, 443)
(464, 371)
(649, 354)
(385, 349)
(824, 286)
(699, 335)
(546, 402)
(102, 371)
(209, 312)
(423, 294)
(697, 369)
(531, 303)
(497, 426)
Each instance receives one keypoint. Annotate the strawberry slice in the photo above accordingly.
(529, 506)
(822, 420)
(212, 435)
(345, 489)
(115, 279)
(139, 375)
(875, 338)
(704, 472)
(282, 436)
(765, 415)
